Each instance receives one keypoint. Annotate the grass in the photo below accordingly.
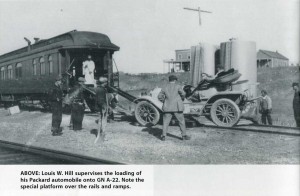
(148, 81)
(276, 81)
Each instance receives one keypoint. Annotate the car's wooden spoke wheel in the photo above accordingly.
(224, 112)
(146, 114)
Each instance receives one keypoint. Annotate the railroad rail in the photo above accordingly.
(290, 131)
(246, 126)
(277, 126)
(11, 156)
(61, 157)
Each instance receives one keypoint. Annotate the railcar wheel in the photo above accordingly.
(225, 113)
(146, 114)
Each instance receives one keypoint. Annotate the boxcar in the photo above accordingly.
(29, 72)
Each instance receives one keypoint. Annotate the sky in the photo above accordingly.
(149, 31)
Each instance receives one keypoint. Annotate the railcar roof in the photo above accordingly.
(72, 39)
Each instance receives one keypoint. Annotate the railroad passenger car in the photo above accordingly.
(29, 72)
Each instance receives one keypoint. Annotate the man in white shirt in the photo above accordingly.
(88, 69)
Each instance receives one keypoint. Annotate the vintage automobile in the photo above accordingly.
(224, 107)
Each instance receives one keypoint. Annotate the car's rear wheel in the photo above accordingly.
(146, 114)
(225, 113)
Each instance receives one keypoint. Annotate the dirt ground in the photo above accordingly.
(132, 144)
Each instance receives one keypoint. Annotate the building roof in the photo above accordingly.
(177, 61)
(183, 50)
(265, 54)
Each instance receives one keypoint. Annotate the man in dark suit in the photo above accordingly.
(101, 102)
(296, 103)
(56, 106)
(172, 96)
(78, 107)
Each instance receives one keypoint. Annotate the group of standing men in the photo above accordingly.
(77, 101)
(78, 106)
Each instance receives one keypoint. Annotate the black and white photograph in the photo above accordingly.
(173, 83)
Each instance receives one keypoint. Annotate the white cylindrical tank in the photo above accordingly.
(203, 61)
(241, 55)
(208, 58)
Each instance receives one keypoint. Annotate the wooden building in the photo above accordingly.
(181, 63)
(267, 58)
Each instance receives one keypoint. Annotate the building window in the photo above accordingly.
(189, 57)
(42, 64)
(2, 73)
(10, 72)
(179, 56)
(50, 64)
(34, 67)
(18, 70)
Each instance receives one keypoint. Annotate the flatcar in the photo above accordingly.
(29, 72)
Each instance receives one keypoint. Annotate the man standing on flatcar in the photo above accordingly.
(88, 69)
(77, 111)
(56, 95)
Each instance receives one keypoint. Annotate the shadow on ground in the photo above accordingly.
(156, 132)
(94, 132)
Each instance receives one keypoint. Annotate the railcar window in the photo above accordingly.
(34, 67)
(50, 64)
(18, 70)
(9, 72)
(42, 64)
(2, 73)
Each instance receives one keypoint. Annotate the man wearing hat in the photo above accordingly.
(77, 111)
(102, 107)
(172, 97)
(55, 97)
(296, 103)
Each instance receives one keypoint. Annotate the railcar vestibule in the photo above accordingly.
(101, 58)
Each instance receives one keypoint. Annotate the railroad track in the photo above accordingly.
(290, 131)
(245, 125)
(15, 153)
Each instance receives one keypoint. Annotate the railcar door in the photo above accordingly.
(101, 58)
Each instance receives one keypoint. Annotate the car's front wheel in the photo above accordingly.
(225, 113)
(146, 114)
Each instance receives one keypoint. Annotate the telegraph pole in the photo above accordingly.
(199, 12)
